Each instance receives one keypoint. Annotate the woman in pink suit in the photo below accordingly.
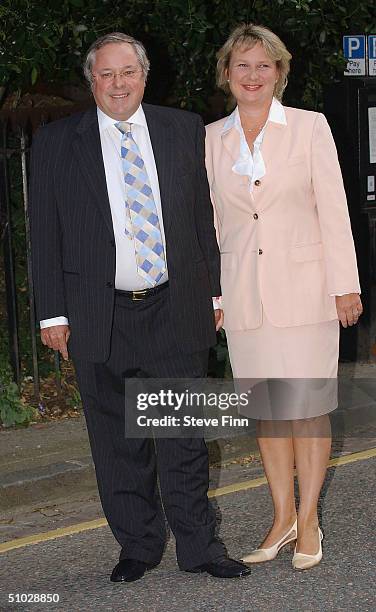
(289, 272)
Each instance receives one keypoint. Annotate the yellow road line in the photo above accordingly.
(345, 459)
(238, 486)
(52, 535)
(257, 482)
(226, 490)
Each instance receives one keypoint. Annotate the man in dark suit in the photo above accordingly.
(125, 265)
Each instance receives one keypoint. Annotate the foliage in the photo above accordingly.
(13, 411)
(312, 30)
(19, 251)
(75, 399)
(46, 40)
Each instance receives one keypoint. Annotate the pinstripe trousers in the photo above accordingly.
(143, 340)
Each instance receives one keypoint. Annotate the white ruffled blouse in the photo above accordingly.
(250, 163)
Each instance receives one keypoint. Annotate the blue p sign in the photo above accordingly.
(372, 46)
(354, 47)
(372, 55)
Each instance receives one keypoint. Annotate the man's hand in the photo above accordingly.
(219, 319)
(56, 338)
(349, 308)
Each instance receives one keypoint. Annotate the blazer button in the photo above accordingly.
(112, 243)
(255, 216)
(109, 284)
(257, 183)
(260, 251)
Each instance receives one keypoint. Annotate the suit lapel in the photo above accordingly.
(161, 137)
(272, 149)
(272, 143)
(87, 149)
(231, 142)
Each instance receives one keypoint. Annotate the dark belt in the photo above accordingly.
(141, 294)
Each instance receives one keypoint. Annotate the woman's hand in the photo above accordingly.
(219, 318)
(349, 308)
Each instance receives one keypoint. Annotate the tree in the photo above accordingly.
(47, 40)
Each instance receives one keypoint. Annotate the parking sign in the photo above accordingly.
(372, 55)
(354, 50)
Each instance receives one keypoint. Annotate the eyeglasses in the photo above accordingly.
(109, 75)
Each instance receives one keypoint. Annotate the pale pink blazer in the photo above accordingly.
(287, 247)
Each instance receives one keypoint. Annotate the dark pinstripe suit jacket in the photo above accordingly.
(73, 247)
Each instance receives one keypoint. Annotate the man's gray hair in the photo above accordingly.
(118, 38)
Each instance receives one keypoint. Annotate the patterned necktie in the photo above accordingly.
(142, 221)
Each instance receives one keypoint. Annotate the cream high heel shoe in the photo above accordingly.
(267, 554)
(301, 561)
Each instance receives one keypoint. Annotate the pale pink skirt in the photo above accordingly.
(302, 362)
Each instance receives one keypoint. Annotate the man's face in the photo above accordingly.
(117, 95)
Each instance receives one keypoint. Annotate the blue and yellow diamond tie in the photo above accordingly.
(142, 222)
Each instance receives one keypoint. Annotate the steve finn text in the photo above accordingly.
(192, 421)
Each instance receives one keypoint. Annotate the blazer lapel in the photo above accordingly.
(272, 150)
(231, 142)
(272, 144)
(161, 137)
(87, 148)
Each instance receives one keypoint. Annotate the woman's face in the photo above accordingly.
(252, 76)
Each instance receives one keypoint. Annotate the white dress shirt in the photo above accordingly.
(126, 276)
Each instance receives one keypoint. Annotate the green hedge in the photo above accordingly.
(46, 40)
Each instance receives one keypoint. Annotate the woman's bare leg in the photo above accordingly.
(277, 452)
(312, 443)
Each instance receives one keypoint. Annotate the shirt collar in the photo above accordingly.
(105, 121)
(276, 115)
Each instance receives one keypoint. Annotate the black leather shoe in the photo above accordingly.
(223, 568)
(129, 570)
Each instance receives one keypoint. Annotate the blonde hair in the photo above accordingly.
(247, 35)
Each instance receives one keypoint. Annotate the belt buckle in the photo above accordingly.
(139, 295)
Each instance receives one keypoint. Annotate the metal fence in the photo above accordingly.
(16, 130)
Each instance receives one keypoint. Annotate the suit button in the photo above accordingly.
(109, 284)
(112, 243)
(255, 216)
(260, 251)
(257, 183)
